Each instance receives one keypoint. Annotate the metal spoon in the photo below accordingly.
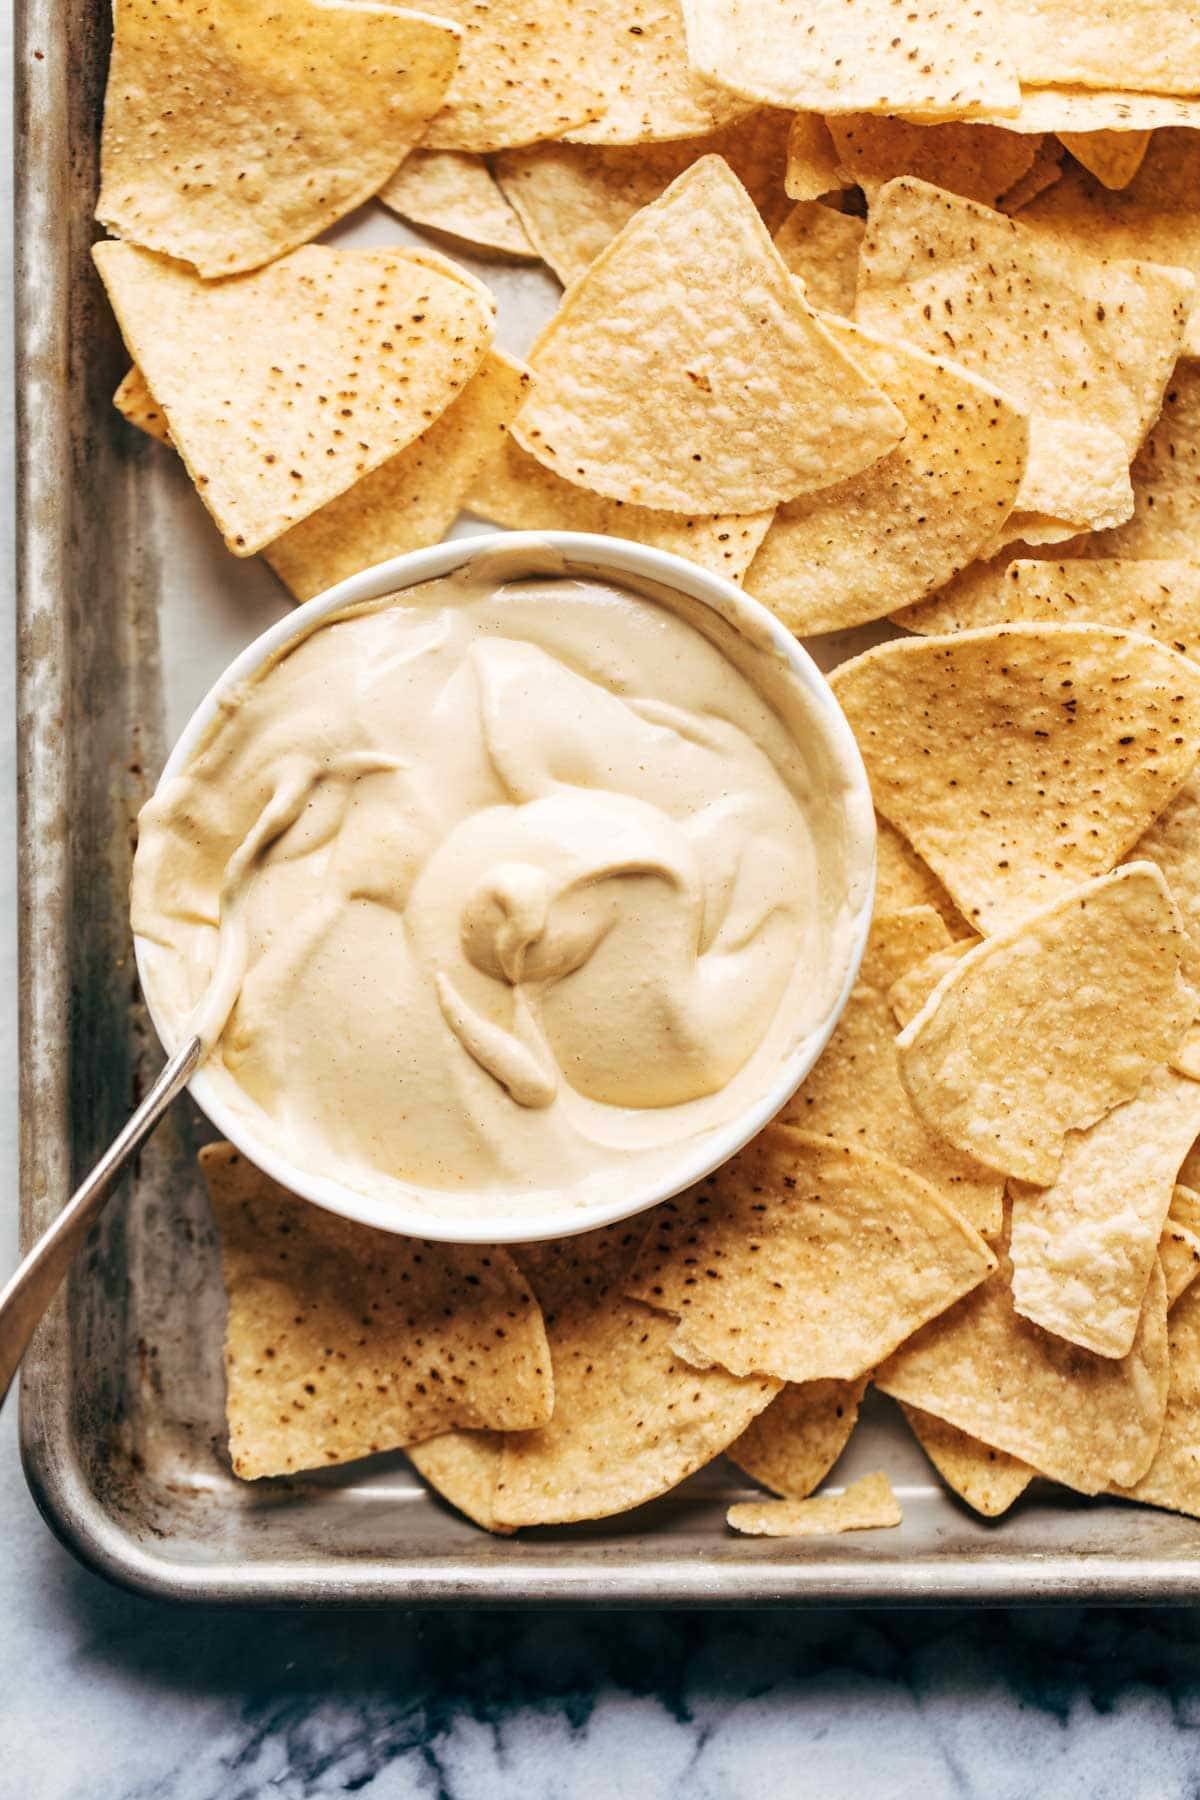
(25, 1298)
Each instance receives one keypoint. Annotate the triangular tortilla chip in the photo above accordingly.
(856, 1093)
(902, 880)
(828, 57)
(1084, 346)
(981, 162)
(1159, 596)
(1083, 1419)
(454, 192)
(1113, 157)
(651, 94)
(1173, 1478)
(464, 1466)
(342, 1340)
(413, 499)
(1043, 1028)
(987, 1479)
(691, 316)
(527, 70)
(1021, 759)
(1153, 218)
(134, 401)
(814, 1259)
(866, 1505)
(514, 490)
(821, 247)
(630, 1420)
(283, 388)
(1083, 1249)
(229, 140)
(904, 526)
(1150, 44)
(573, 199)
(794, 1443)
(812, 164)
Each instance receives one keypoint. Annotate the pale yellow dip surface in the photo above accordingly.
(497, 891)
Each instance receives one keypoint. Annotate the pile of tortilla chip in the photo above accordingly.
(856, 304)
(891, 316)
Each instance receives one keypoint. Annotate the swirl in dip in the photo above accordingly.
(501, 891)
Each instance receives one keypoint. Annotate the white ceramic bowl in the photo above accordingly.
(774, 662)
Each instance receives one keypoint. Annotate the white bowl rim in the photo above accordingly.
(611, 556)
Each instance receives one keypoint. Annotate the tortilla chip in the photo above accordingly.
(817, 1259)
(134, 401)
(909, 992)
(1179, 1254)
(226, 146)
(866, 1505)
(821, 247)
(526, 71)
(898, 941)
(1154, 218)
(1173, 1478)
(1083, 1419)
(454, 192)
(1084, 346)
(1158, 596)
(1043, 1028)
(411, 500)
(1043, 172)
(792, 1446)
(342, 1341)
(812, 163)
(573, 200)
(856, 1094)
(1185, 1208)
(463, 1466)
(830, 58)
(981, 162)
(1021, 759)
(283, 388)
(1166, 483)
(1113, 157)
(987, 1479)
(1083, 1248)
(1172, 842)
(650, 92)
(1088, 109)
(1189, 1169)
(1139, 44)
(901, 528)
(691, 315)
(630, 1420)
(1185, 1058)
(903, 881)
(514, 490)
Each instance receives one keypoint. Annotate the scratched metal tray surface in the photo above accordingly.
(128, 607)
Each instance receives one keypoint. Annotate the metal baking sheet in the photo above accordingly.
(128, 607)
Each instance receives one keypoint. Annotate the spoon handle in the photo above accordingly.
(25, 1298)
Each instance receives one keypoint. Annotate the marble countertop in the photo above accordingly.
(104, 1696)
